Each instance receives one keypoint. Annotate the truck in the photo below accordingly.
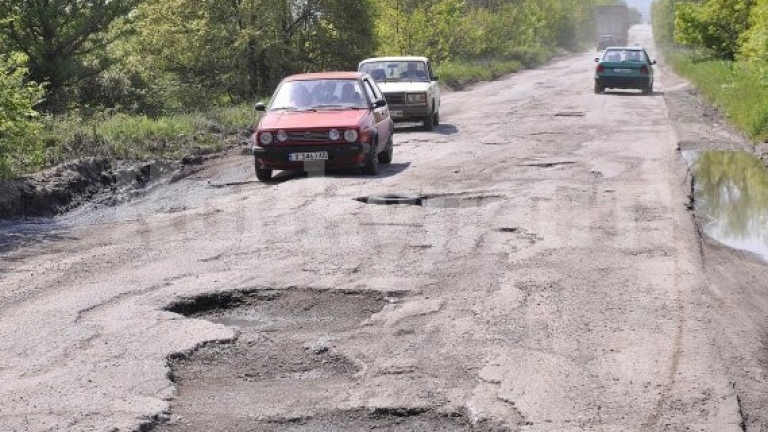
(611, 20)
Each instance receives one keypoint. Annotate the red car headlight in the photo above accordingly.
(350, 135)
(266, 138)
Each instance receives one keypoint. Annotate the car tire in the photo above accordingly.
(436, 121)
(599, 89)
(429, 122)
(385, 157)
(371, 166)
(263, 174)
(648, 89)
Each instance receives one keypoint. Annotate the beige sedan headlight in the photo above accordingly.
(416, 98)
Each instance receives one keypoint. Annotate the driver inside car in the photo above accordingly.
(413, 72)
(300, 97)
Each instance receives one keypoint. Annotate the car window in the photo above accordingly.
(624, 55)
(612, 56)
(396, 70)
(318, 94)
(634, 55)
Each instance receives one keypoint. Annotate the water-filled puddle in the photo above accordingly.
(731, 196)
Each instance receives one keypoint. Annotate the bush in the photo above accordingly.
(20, 147)
(234, 117)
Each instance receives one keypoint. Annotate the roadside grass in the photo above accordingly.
(457, 75)
(125, 136)
(739, 90)
(25, 154)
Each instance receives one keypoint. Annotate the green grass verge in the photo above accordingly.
(139, 137)
(458, 74)
(739, 90)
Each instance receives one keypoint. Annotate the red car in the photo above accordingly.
(328, 120)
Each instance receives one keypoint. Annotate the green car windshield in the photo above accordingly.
(624, 55)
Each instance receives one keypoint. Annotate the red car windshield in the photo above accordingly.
(318, 94)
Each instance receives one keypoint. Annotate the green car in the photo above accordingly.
(624, 68)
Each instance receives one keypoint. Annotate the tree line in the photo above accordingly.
(733, 30)
(721, 46)
(156, 56)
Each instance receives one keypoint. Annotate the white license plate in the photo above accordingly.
(396, 113)
(298, 157)
(620, 70)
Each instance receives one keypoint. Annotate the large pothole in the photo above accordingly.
(367, 420)
(433, 201)
(283, 372)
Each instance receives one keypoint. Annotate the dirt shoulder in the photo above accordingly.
(97, 181)
(735, 280)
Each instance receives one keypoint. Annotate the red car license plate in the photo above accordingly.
(299, 157)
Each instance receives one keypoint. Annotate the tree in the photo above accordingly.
(754, 41)
(663, 20)
(431, 28)
(221, 52)
(62, 39)
(715, 25)
(19, 125)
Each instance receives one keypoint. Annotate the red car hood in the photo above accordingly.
(325, 119)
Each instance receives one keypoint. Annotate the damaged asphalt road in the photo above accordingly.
(552, 278)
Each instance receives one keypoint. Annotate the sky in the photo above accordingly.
(644, 6)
